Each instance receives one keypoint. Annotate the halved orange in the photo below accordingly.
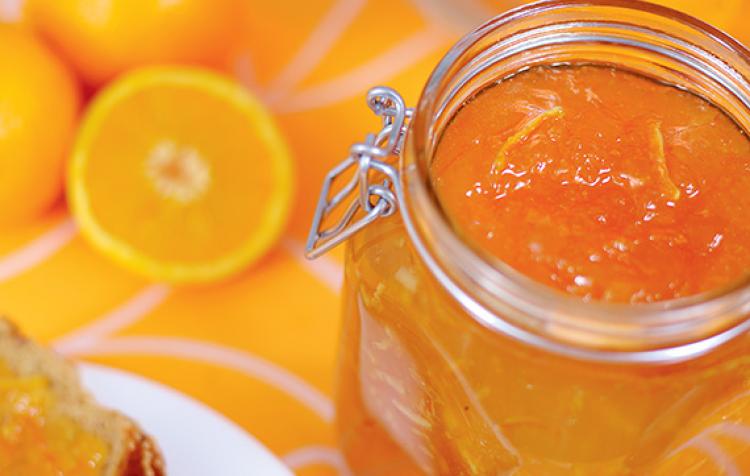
(180, 174)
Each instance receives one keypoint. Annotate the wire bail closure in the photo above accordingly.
(372, 181)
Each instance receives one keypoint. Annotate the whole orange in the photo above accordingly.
(102, 38)
(39, 103)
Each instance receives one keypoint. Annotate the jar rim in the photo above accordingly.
(505, 300)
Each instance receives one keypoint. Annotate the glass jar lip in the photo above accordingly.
(538, 302)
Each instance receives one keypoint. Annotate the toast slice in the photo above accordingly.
(35, 381)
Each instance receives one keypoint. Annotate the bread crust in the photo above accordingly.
(132, 452)
(142, 458)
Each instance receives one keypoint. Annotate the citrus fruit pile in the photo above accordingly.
(170, 168)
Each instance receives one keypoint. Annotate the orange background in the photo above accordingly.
(260, 349)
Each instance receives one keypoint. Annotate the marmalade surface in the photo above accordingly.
(600, 183)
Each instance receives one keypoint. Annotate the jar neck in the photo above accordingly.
(654, 41)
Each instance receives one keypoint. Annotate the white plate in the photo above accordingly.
(195, 440)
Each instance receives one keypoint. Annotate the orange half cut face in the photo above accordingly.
(180, 175)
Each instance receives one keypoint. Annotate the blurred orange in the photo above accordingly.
(39, 102)
(180, 175)
(102, 38)
(724, 14)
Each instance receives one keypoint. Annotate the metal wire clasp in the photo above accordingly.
(372, 179)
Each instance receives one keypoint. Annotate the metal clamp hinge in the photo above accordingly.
(372, 179)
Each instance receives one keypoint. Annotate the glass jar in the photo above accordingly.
(453, 363)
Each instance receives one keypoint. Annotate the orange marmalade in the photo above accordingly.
(35, 440)
(601, 184)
